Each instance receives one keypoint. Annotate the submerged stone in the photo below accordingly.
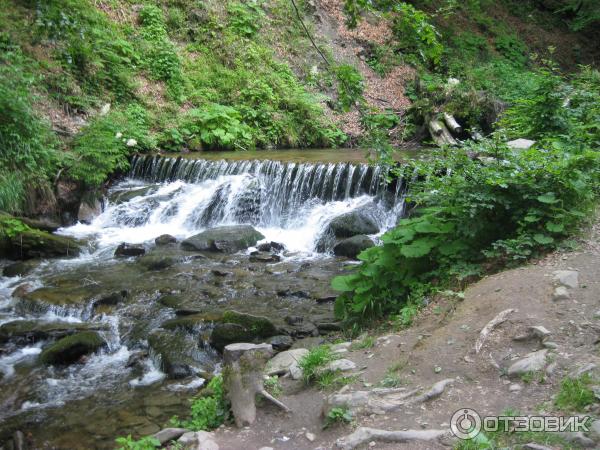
(229, 239)
(69, 349)
(174, 353)
(20, 268)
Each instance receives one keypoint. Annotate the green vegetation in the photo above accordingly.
(273, 386)
(469, 216)
(575, 394)
(177, 75)
(145, 443)
(338, 416)
(314, 370)
(209, 410)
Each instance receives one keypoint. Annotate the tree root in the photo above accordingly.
(364, 435)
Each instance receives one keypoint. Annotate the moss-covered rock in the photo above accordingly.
(191, 322)
(171, 301)
(70, 348)
(155, 262)
(27, 331)
(260, 326)
(38, 244)
(229, 239)
(237, 327)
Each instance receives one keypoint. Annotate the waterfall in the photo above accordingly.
(288, 202)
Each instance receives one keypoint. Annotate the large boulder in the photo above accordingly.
(32, 243)
(28, 331)
(240, 327)
(70, 348)
(352, 246)
(165, 239)
(228, 239)
(352, 224)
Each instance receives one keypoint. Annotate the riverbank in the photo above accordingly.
(450, 341)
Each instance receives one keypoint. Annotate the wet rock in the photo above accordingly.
(293, 320)
(126, 250)
(271, 247)
(38, 244)
(191, 322)
(165, 239)
(40, 299)
(328, 327)
(174, 352)
(262, 257)
(170, 301)
(22, 290)
(259, 325)
(169, 434)
(111, 299)
(532, 362)
(70, 348)
(228, 239)
(282, 363)
(155, 262)
(128, 195)
(42, 224)
(20, 268)
(352, 224)
(89, 211)
(27, 331)
(281, 342)
(567, 278)
(224, 334)
(352, 246)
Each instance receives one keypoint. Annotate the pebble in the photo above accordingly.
(561, 293)
(310, 436)
(515, 387)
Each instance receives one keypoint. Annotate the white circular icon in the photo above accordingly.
(465, 423)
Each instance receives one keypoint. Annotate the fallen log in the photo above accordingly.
(452, 124)
(243, 378)
(440, 134)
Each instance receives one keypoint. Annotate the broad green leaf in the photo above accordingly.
(343, 283)
(543, 239)
(548, 198)
(555, 227)
(418, 248)
(428, 227)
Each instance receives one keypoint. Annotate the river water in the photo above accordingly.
(126, 388)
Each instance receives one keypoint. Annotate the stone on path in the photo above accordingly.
(566, 278)
(532, 362)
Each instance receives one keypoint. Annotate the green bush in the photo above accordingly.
(209, 410)
(245, 18)
(416, 35)
(104, 146)
(472, 215)
(350, 86)
(145, 443)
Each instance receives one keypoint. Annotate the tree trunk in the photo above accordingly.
(243, 376)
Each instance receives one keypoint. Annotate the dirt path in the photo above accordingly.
(441, 346)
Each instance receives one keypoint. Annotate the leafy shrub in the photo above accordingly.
(512, 48)
(208, 411)
(314, 361)
(350, 86)
(338, 416)
(416, 35)
(472, 214)
(102, 147)
(245, 18)
(145, 443)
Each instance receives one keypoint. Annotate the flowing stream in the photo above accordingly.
(148, 368)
